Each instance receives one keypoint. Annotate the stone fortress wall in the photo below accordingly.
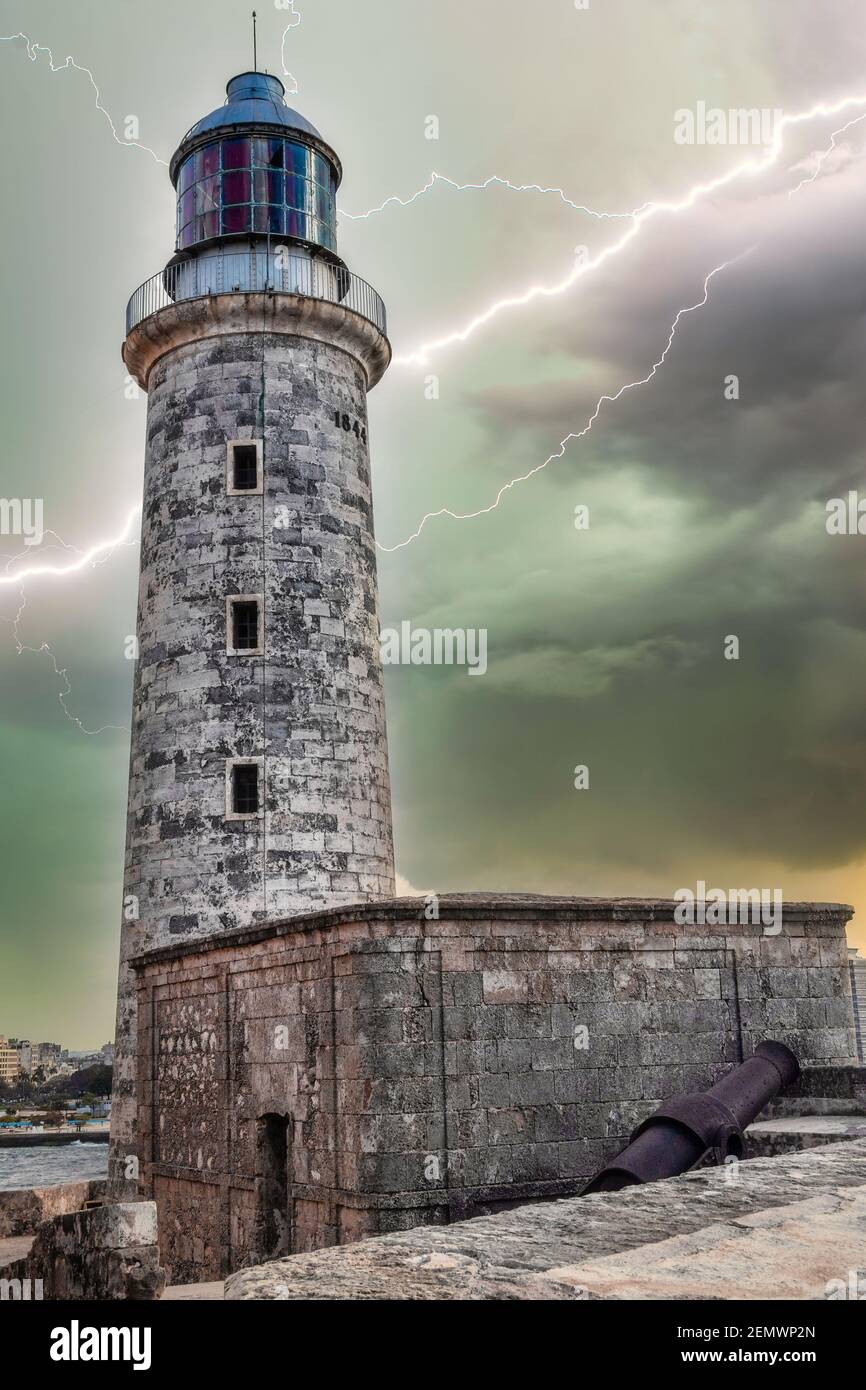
(360, 1070)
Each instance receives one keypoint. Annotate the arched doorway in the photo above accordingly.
(273, 1231)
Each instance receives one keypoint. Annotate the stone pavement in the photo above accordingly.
(194, 1293)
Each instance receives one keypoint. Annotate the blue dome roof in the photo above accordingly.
(253, 98)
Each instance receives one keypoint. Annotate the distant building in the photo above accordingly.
(857, 967)
(106, 1054)
(77, 1061)
(47, 1058)
(10, 1067)
(25, 1055)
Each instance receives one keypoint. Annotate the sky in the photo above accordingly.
(707, 515)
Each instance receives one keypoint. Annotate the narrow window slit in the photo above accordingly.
(245, 625)
(245, 789)
(246, 467)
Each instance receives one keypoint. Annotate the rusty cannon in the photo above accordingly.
(706, 1127)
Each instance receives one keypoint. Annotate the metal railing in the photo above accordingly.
(256, 270)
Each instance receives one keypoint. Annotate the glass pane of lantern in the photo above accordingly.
(296, 225)
(187, 236)
(297, 158)
(236, 188)
(296, 191)
(321, 171)
(207, 195)
(267, 186)
(210, 161)
(268, 219)
(185, 207)
(187, 169)
(267, 153)
(210, 224)
(236, 219)
(236, 154)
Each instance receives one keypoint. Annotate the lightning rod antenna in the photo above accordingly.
(255, 54)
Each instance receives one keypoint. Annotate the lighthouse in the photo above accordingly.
(258, 777)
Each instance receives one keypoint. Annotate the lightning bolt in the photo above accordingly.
(61, 672)
(97, 554)
(444, 511)
(747, 168)
(33, 51)
(294, 21)
(855, 120)
(574, 434)
(486, 183)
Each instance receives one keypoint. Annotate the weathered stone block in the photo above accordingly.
(107, 1252)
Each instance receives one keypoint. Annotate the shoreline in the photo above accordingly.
(54, 1138)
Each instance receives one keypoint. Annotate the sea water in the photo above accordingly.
(46, 1164)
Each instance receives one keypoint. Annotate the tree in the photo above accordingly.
(89, 1081)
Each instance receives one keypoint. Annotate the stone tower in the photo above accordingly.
(258, 781)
